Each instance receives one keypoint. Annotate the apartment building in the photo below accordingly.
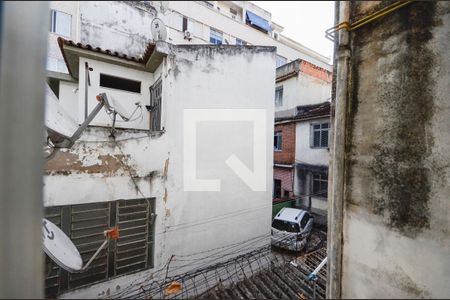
(125, 27)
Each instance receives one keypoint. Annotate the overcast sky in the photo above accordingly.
(304, 21)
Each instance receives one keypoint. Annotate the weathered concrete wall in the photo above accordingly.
(303, 89)
(397, 185)
(206, 77)
(122, 26)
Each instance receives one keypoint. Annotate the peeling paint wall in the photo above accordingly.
(95, 168)
(397, 185)
(122, 26)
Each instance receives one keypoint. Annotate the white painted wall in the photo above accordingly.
(304, 153)
(303, 89)
(187, 222)
(125, 99)
(55, 61)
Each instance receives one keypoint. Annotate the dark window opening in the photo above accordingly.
(320, 185)
(277, 141)
(118, 83)
(185, 24)
(155, 105)
(276, 188)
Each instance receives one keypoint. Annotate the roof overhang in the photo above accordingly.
(72, 54)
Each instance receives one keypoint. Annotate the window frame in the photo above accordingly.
(214, 36)
(155, 118)
(279, 90)
(53, 22)
(319, 177)
(278, 134)
(280, 58)
(320, 130)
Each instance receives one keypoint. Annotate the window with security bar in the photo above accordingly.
(155, 105)
(319, 135)
(320, 185)
(85, 223)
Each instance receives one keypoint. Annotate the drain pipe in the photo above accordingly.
(337, 170)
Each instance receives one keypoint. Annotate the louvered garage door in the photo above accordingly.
(85, 224)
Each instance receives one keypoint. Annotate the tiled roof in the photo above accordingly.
(308, 111)
(143, 60)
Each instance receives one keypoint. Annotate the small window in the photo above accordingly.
(185, 24)
(277, 141)
(61, 23)
(276, 188)
(281, 60)
(155, 105)
(215, 37)
(279, 96)
(320, 185)
(118, 83)
(319, 134)
(233, 13)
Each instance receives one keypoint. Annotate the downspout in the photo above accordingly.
(337, 165)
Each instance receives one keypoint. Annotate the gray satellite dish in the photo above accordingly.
(158, 29)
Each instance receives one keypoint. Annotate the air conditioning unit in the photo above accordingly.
(187, 35)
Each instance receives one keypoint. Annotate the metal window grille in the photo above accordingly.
(320, 185)
(155, 105)
(85, 223)
(320, 134)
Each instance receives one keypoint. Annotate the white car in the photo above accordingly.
(290, 228)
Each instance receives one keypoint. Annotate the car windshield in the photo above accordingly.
(285, 226)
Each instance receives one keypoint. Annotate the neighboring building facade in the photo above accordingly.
(124, 26)
(301, 163)
(389, 224)
(301, 135)
(135, 181)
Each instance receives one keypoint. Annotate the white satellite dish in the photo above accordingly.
(60, 248)
(158, 29)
